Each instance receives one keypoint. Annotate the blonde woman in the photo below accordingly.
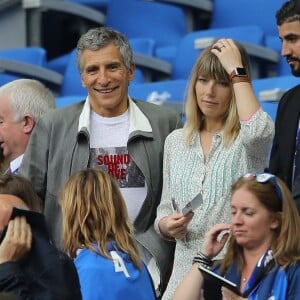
(98, 236)
(226, 135)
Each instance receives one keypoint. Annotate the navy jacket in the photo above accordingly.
(283, 149)
(45, 274)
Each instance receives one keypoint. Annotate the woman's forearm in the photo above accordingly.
(191, 286)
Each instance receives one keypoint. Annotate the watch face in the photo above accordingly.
(241, 72)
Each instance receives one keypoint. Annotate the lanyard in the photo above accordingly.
(296, 165)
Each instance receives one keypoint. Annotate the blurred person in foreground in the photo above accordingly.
(263, 254)
(285, 153)
(31, 267)
(98, 235)
(226, 135)
(111, 131)
(22, 103)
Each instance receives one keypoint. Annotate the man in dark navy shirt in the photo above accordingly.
(285, 154)
(30, 265)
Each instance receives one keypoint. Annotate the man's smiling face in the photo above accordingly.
(105, 76)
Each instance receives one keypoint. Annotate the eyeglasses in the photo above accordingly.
(266, 177)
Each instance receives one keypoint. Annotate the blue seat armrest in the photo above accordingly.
(66, 7)
(150, 65)
(189, 7)
(27, 70)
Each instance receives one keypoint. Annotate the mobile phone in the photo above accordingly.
(219, 280)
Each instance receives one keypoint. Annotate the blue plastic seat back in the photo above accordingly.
(281, 83)
(71, 84)
(59, 64)
(5, 78)
(32, 55)
(270, 108)
(143, 45)
(160, 91)
(192, 44)
(269, 91)
(163, 23)
(228, 13)
(170, 93)
(63, 101)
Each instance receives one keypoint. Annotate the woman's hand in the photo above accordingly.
(229, 295)
(17, 241)
(175, 225)
(213, 243)
(228, 54)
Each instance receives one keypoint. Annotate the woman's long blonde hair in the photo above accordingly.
(209, 66)
(94, 214)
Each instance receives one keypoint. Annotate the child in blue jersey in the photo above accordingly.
(98, 236)
(263, 254)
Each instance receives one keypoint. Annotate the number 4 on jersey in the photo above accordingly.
(119, 263)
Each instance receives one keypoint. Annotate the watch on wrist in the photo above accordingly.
(239, 75)
(238, 72)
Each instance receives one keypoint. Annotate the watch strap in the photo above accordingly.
(237, 79)
(238, 72)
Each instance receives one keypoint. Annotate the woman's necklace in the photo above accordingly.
(244, 279)
(212, 132)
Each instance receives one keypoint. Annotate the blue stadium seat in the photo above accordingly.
(251, 37)
(163, 23)
(229, 13)
(251, 12)
(269, 91)
(272, 88)
(169, 93)
(143, 45)
(71, 84)
(59, 63)
(27, 62)
(159, 91)
(64, 101)
(270, 108)
(33, 55)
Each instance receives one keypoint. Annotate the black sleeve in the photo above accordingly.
(13, 280)
(60, 279)
(296, 192)
(52, 279)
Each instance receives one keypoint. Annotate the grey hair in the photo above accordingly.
(100, 37)
(28, 97)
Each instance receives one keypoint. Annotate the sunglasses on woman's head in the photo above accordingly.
(266, 177)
